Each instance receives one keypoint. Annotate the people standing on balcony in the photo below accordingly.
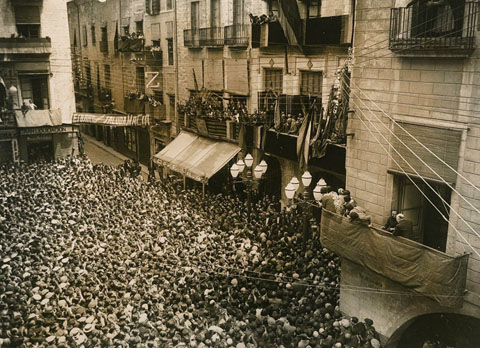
(391, 222)
(404, 229)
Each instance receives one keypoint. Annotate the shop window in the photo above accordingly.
(311, 83)
(130, 139)
(92, 33)
(34, 89)
(273, 79)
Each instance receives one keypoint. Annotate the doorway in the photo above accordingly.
(40, 151)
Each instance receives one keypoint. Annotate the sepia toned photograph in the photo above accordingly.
(240, 173)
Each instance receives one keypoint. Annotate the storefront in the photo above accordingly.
(47, 143)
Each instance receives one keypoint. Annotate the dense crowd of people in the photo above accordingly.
(94, 256)
(213, 107)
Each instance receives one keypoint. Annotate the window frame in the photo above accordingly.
(266, 71)
(93, 35)
(302, 79)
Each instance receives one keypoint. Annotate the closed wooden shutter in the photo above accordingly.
(445, 143)
(155, 7)
(27, 14)
(237, 76)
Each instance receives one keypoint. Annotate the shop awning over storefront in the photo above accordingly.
(111, 119)
(427, 271)
(196, 157)
(38, 118)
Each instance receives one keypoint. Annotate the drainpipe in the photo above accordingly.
(175, 37)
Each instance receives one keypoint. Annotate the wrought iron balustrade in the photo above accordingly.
(433, 28)
(211, 36)
(237, 35)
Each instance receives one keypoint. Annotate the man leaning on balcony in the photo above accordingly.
(404, 229)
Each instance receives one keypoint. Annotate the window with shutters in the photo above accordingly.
(273, 79)
(139, 27)
(34, 88)
(107, 76)
(169, 27)
(84, 36)
(195, 15)
(169, 5)
(170, 51)
(98, 77)
(104, 42)
(155, 32)
(155, 7)
(311, 83)
(215, 13)
(237, 12)
(140, 78)
(148, 6)
(92, 33)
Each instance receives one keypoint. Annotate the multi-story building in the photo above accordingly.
(415, 150)
(118, 50)
(256, 53)
(36, 89)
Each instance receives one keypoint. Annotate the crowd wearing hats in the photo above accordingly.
(94, 256)
(289, 123)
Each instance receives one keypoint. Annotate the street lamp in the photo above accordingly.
(249, 181)
(306, 201)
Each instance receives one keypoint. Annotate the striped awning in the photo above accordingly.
(196, 157)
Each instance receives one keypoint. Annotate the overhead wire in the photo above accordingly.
(420, 143)
(409, 177)
(391, 145)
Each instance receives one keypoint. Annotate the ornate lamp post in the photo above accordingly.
(307, 201)
(249, 180)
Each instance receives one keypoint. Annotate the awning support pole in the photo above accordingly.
(203, 190)
(184, 182)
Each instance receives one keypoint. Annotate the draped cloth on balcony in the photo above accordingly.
(38, 118)
(427, 271)
(196, 157)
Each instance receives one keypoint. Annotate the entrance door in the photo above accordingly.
(40, 151)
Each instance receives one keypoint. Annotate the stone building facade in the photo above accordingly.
(415, 70)
(118, 51)
(222, 50)
(35, 68)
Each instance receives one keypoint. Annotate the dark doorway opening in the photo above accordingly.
(40, 151)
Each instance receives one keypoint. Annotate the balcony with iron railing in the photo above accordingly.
(211, 37)
(237, 35)
(25, 45)
(191, 38)
(434, 30)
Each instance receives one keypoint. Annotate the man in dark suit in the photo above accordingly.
(404, 228)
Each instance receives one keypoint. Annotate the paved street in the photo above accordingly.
(98, 152)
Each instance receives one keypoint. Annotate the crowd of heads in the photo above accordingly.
(93, 255)
(214, 107)
(290, 123)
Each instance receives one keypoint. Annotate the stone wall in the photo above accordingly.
(426, 90)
